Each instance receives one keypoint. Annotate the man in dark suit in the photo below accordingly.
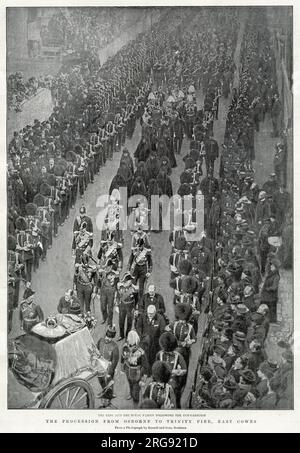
(152, 298)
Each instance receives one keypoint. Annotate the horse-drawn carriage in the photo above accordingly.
(58, 365)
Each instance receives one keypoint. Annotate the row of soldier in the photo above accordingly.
(234, 369)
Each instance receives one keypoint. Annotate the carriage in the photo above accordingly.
(58, 365)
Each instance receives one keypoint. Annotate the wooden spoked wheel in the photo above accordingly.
(71, 394)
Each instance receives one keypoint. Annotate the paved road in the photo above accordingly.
(55, 274)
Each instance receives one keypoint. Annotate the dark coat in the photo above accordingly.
(269, 291)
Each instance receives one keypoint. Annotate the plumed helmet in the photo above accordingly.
(31, 209)
(168, 342)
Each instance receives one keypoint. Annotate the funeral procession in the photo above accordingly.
(150, 208)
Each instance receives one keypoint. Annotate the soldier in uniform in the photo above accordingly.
(211, 154)
(183, 330)
(126, 302)
(175, 360)
(84, 284)
(83, 240)
(178, 128)
(280, 164)
(79, 220)
(25, 246)
(109, 351)
(108, 292)
(135, 364)
(15, 268)
(30, 312)
(159, 390)
(111, 135)
(140, 262)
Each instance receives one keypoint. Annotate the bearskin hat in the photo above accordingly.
(118, 181)
(78, 150)
(168, 342)
(189, 163)
(186, 178)
(31, 209)
(194, 145)
(71, 156)
(185, 267)
(184, 189)
(147, 403)
(180, 243)
(11, 242)
(51, 180)
(161, 372)
(194, 154)
(39, 200)
(189, 285)
(62, 162)
(183, 311)
(59, 170)
(21, 224)
(195, 252)
(45, 190)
